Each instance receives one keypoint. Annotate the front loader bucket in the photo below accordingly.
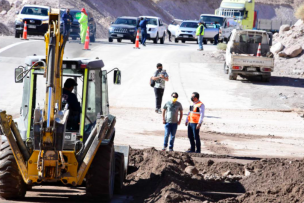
(125, 150)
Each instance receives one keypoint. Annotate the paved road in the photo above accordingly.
(242, 117)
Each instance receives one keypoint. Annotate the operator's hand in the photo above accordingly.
(186, 123)
(164, 121)
(198, 126)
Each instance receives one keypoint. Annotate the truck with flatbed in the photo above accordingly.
(241, 55)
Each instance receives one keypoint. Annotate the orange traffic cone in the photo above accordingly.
(259, 50)
(87, 40)
(137, 41)
(24, 37)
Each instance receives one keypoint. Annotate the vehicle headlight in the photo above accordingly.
(132, 30)
(18, 20)
(45, 22)
(111, 29)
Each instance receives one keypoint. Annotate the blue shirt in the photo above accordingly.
(143, 24)
(65, 18)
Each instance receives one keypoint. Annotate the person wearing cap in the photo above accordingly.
(160, 77)
(73, 105)
(171, 120)
(83, 21)
(200, 35)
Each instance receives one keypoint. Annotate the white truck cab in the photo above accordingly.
(156, 30)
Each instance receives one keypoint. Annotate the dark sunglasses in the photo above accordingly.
(174, 96)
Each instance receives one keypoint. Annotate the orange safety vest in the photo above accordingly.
(194, 114)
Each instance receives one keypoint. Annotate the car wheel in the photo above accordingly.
(133, 41)
(176, 41)
(205, 41)
(266, 78)
(162, 40)
(156, 39)
(225, 68)
(110, 39)
(74, 38)
(119, 40)
(17, 35)
(92, 39)
(183, 41)
(232, 76)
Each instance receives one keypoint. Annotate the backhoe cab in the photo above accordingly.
(50, 142)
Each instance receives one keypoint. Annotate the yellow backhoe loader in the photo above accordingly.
(50, 142)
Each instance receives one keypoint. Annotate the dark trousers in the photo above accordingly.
(169, 33)
(216, 37)
(193, 134)
(143, 36)
(159, 92)
(66, 28)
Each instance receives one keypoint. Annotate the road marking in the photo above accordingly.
(12, 45)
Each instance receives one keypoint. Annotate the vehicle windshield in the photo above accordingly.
(152, 21)
(212, 19)
(236, 14)
(189, 24)
(252, 38)
(35, 11)
(75, 14)
(126, 21)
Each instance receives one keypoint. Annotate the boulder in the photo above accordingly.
(227, 173)
(293, 51)
(282, 54)
(277, 48)
(191, 170)
(2, 13)
(299, 23)
(283, 29)
(17, 3)
(5, 5)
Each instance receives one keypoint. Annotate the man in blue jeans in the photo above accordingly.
(194, 122)
(171, 121)
(200, 31)
(143, 27)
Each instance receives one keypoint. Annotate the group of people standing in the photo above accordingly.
(172, 113)
(68, 20)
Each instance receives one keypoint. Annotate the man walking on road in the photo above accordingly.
(200, 35)
(67, 21)
(171, 121)
(160, 77)
(83, 20)
(194, 122)
(143, 27)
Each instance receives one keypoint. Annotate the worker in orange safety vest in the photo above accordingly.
(194, 122)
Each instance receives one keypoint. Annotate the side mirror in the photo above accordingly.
(18, 75)
(17, 12)
(117, 77)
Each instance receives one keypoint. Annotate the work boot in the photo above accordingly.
(171, 150)
(156, 110)
(164, 149)
(159, 111)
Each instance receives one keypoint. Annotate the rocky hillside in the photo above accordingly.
(106, 11)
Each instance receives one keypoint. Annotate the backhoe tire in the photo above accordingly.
(12, 185)
(101, 174)
(119, 172)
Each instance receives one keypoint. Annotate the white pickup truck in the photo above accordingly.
(241, 55)
(156, 30)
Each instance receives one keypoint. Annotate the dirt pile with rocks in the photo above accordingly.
(156, 176)
(288, 50)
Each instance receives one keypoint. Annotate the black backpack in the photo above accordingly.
(152, 82)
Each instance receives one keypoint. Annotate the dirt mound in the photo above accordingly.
(273, 180)
(156, 176)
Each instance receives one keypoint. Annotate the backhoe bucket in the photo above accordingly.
(125, 150)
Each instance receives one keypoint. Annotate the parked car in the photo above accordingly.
(75, 27)
(186, 31)
(36, 18)
(156, 30)
(241, 54)
(174, 26)
(124, 27)
(224, 30)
